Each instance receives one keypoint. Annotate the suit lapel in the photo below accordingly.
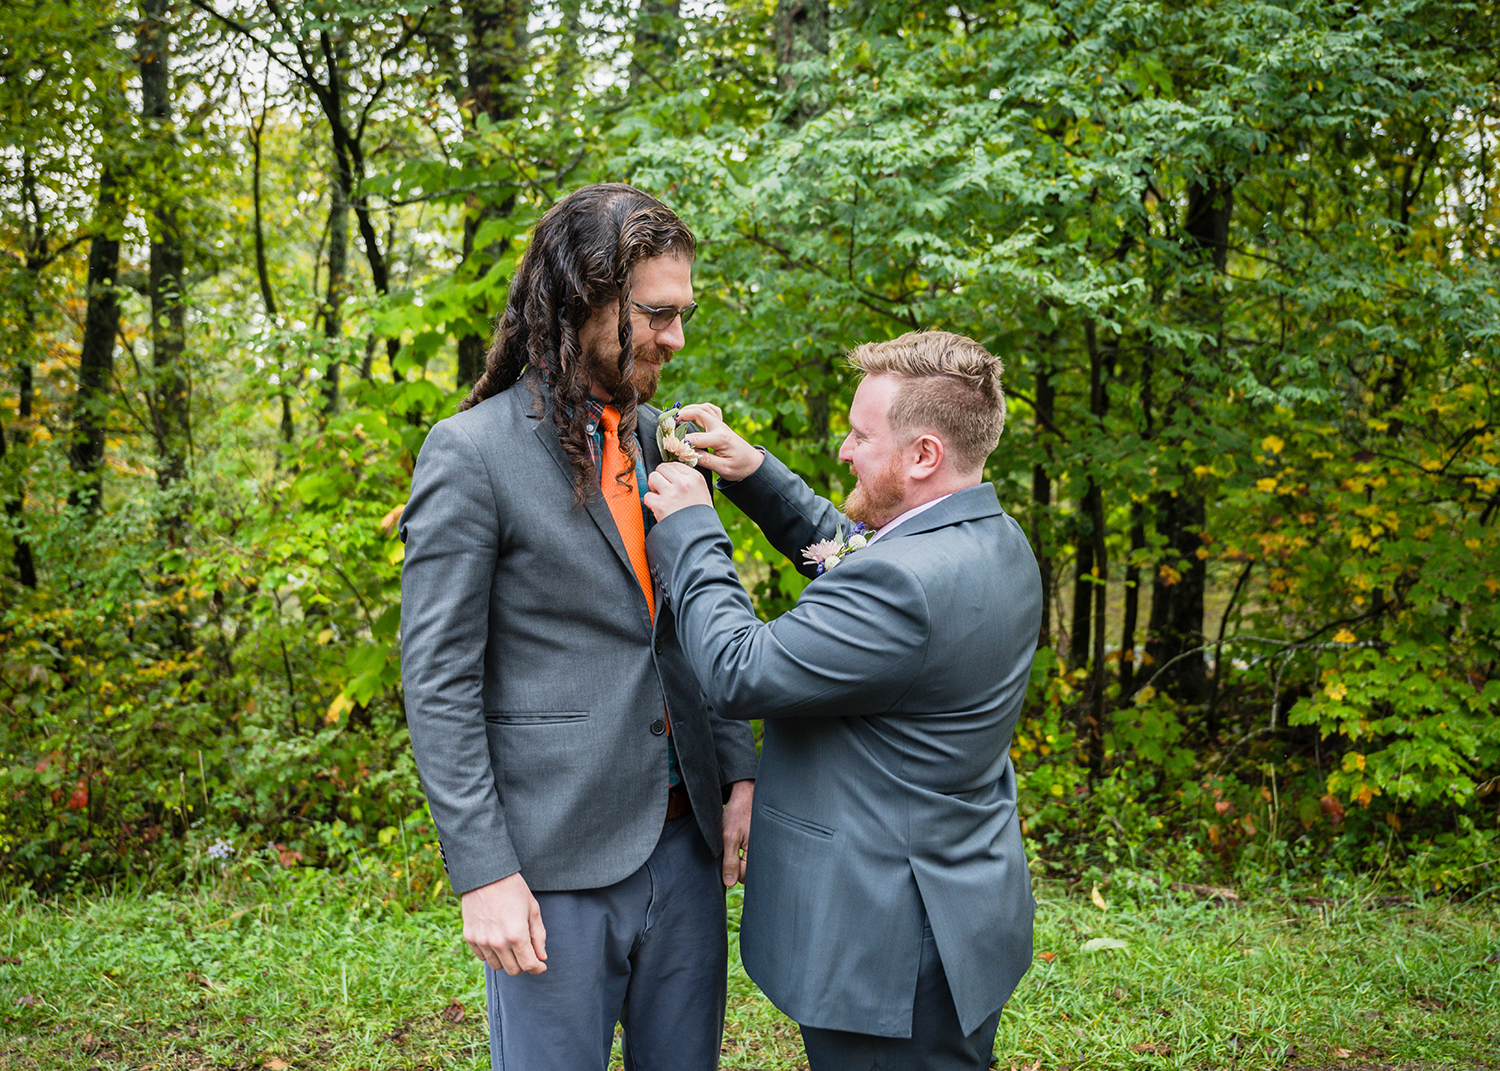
(597, 508)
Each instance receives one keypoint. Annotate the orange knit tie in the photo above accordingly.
(624, 500)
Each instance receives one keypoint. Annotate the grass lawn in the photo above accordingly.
(306, 969)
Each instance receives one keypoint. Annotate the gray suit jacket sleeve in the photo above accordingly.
(852, 645)
(786, 510)
(451, 547)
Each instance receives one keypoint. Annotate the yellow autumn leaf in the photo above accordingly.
(1273, 444)
(1266, 484)
(340, 706)
(1343, 635)
(1098, 898)
(1336, 691)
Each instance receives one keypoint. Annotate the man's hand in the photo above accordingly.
(503, 926)
(674, 486)
(720, 450)
(737, 831)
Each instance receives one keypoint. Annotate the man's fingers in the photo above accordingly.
(538, 937)
(705, 414)
(503, 926)
(734, 869)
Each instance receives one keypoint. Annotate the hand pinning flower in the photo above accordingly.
(672, 448)
(827, 553)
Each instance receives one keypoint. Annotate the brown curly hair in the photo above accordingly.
(579, 260)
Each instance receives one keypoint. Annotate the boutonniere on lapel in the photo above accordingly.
(829, 552)
(672, 448)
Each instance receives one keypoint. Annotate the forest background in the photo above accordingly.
(1239, 259)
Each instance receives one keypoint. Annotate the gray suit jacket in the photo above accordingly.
(535, 683)
(886, 789)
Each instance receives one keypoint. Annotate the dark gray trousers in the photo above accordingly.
(649, 952)
(937, 1042)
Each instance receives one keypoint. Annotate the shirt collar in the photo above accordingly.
(886, 528)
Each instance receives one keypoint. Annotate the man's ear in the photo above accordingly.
(927, 456)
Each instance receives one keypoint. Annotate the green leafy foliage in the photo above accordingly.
(1239, 260)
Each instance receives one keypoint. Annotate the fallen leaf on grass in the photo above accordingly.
(274, 1064)
(27, 1000)
(1103, 944)
(15, 960)
(1046, 957)
(1098, 899)
(1343, 1054)
(1153, 1048)
(1208, 892)
(454, 1012)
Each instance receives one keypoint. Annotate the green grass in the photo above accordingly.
(305, 969)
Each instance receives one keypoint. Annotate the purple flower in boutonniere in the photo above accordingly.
(672, 448)
(827, 553)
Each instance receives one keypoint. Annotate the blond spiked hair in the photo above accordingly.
(950, 386)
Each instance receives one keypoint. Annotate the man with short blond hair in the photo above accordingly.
(888, 905)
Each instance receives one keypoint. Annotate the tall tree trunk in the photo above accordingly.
(1091, 588)
(1181, 515)
(1083, 588)
(1132, 600)
(333, 297)
(497, 54)
(96, 356)
(1176, 627)
(37, 257)
(801, 37)
(1041, 485)
(15, 501)
(170, 423)
(263, 272)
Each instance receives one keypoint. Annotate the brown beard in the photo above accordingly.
(604, 370)
(876, 499)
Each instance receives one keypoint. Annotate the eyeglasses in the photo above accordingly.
(661, 318)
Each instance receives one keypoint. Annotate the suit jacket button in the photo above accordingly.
(656, 645)
(658, 727)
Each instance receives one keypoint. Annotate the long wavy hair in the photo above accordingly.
(579, 260)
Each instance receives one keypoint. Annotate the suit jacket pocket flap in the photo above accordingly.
(540, 717)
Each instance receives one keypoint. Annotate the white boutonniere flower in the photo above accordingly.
(827, 553)
(672, 448)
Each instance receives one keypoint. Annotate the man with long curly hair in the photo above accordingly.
(592, 809)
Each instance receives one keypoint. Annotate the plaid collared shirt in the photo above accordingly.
(595, 429)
